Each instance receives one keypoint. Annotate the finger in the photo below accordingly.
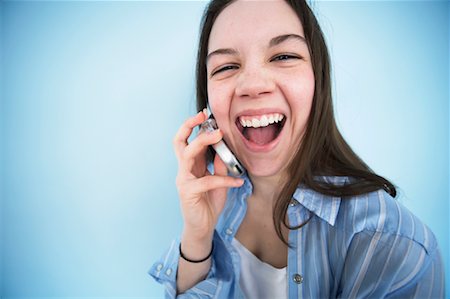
(212, 182)
(199, 146)
(183, 133)
(218, 196)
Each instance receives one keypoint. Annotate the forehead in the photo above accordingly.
(253, 22)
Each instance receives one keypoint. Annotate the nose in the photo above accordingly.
(254, 82)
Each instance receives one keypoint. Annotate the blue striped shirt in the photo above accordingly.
(366, 246)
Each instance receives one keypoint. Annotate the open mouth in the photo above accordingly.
(262, 129)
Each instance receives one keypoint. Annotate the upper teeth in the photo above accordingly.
(261, 120)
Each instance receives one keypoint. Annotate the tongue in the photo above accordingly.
(263, 135)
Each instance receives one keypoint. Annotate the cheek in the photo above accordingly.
(301, 94)
(306, 85)
(304, 100)
(219, 102)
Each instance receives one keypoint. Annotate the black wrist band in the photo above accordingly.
(199, 261)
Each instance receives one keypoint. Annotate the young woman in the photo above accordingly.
(309, 218)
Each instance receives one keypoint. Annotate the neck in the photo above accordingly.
(265, 189)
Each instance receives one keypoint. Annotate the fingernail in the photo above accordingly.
(239, 181)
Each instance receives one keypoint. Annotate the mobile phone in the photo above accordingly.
(225, 154)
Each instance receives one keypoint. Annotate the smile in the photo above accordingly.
(261, 132)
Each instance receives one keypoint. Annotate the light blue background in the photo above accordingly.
(92, 94)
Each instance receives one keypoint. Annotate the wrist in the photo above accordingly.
(194, 236)
(194, 248)
(197, 261)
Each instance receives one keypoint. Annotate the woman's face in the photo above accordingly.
(260, 83)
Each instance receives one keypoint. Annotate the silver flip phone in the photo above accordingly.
(232, 163)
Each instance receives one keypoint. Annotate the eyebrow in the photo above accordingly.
(226, 51)
(281, 38)
(273, 42)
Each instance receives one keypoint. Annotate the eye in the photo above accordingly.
(284, 57)
(225, 68)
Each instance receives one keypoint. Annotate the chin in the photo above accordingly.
(267, 169)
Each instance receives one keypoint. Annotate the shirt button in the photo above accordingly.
(229, 231)
(293, 203)
(298, 279)
(168, 272)
(159, 267)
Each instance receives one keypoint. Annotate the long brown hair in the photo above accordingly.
(322, 151)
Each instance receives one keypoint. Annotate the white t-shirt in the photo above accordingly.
(259, 279)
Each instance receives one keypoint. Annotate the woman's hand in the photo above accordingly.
(202, 195)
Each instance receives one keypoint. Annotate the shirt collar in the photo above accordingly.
(324, 206)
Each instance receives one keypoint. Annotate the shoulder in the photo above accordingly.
(378, 212)
(387, 249)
